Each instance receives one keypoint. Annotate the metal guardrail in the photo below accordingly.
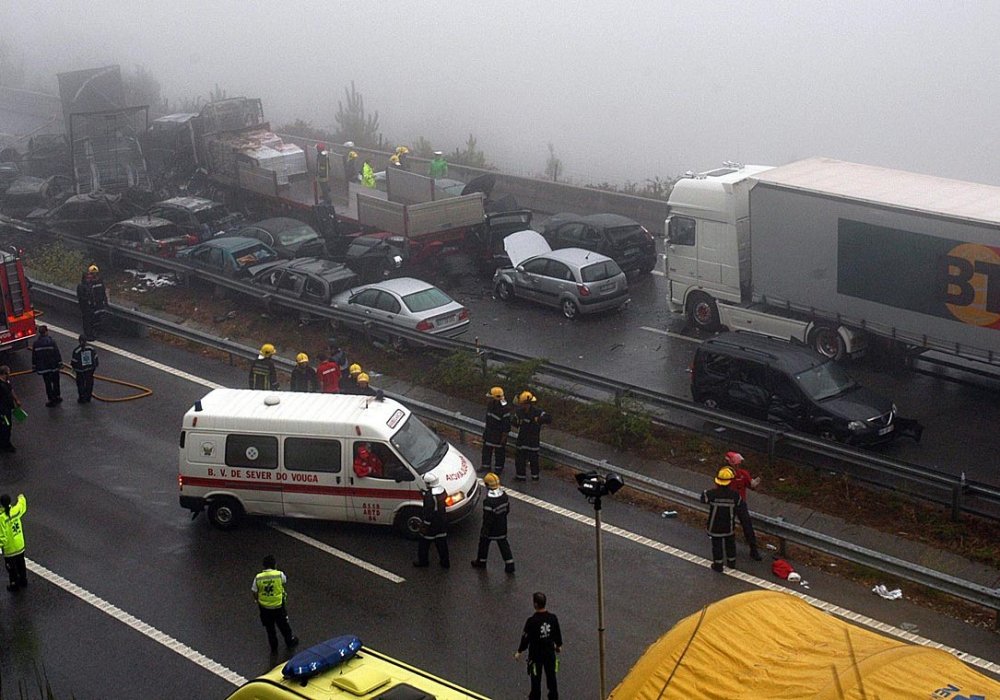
(785, 532)
(924, 483)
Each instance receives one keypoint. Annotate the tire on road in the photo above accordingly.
(703, 312)
(408, 522)
(224, 513)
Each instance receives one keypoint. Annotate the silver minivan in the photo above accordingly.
(574, 280)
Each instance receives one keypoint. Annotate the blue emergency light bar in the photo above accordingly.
(321, 657)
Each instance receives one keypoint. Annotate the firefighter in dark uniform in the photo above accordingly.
(528, 419)
(263, 374)
(722, 504)
(84, 363)
(92, 297)
(434, 527)
(269, 593)
(543, 640)
(349, 384)
(496, 506)
(323, 172)
(47, 361)
(495, 431)
(8, 402)
(303, 376)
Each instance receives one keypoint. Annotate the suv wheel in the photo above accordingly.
(569, 309)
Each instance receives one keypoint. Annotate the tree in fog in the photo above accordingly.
(354, 124)
(553, 166)
(142, 88)
(470, 155)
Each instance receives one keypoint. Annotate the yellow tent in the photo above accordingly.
(767, 644)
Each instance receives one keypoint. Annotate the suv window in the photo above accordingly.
(290, 282)
(717, 365)
(312, 455)
(252, 451)
(315, 288)
(680, 231)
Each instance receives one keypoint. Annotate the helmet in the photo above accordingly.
(267, 350)
(354, 369)
(734, 459)
(402, 149)
(724, 476)
(302, 358)
(93, 268)
(526, 397)
(430, 480)
(394, 159)
(495, 393)
(352, 155)
(348, 144)
(491, 480)
(439, 153)
(362, 378)
(320, 146)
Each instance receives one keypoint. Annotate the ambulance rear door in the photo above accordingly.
(313, 479)
(241, 465)
(379, 483)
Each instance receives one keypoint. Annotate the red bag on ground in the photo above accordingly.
(781, 568)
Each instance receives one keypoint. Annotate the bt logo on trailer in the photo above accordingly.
(971, 284)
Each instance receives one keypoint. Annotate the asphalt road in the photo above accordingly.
(103, 515)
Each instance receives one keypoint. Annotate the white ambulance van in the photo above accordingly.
(303, 455)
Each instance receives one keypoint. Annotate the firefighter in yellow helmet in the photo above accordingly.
(495, 431)
(349, 384)
(263, 373)
(92, 297)
(528, 418)
(304, 377)
(364, 389)
(403, 157)
(722, 503)
(351, 167)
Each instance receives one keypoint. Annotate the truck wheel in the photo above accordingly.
(569, 309)
(224, 513)
(827, 342)
(505, 291)
(703, 312)
(408, 522)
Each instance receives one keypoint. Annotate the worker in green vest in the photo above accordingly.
(438, 167)
(269, 594)
(368, 175)
(12, 540)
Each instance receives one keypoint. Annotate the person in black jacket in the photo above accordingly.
(46, 361)
(8, 402)
(263, 373)
(722, 504)
(92, 296)
(496, 506)
(434, 526)
(84, 363)
(495, 431)
(303, 376)
(528, 419)
(543, 640)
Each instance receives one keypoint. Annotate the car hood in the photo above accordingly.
(860, 403)
(525, 244)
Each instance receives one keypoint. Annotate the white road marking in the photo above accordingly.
(670, 334)
(985, 664)
(849, 615)
(350, 558)
(138, 625)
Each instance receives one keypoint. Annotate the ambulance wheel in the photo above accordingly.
(224, 513)
(408, 522)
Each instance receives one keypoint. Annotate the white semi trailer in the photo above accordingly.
(832, 253)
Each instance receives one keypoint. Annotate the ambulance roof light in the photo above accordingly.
(321, 657)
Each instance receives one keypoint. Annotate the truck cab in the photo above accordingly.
(708, 242)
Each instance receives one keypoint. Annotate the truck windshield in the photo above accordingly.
(419, 445)
(825, 381)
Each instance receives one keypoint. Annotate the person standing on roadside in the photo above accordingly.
(434, 526)
(438, 167)
(47, 361)
(12, 538)
(528, 419)
(303, 376)
(84, 363)
(269, 593)
(543, 640)
(263, 373)
(496, 429)
(741, 482)
(92, 297)
(368, 175)
(351, 167)
(496, 506)
(328, 374)
(349, 384)
(722, 503)
(8, 402)
(323, 172)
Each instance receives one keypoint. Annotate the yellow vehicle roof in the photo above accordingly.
(766, 644)
(369, 675)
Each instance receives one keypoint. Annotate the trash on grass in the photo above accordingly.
(881, 590)
(668, 514)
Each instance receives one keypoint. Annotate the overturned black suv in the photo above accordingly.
(791, 385)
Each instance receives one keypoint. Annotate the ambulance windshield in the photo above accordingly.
(419, 445)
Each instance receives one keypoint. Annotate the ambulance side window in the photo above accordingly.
(311, 455)
(252, 451)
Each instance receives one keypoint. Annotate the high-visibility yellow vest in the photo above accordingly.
(270, 589)
(11, 532)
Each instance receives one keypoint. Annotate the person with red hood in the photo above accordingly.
(740, 483)
(366, 462)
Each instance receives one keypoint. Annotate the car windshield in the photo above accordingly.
(162, 233)
(419, 445)
(825, 381)
(297, 234)
(207, 216)
(625, 234)
(254, 255)
(604, 270)
(430, 298)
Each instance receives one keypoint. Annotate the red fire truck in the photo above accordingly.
(17, 322)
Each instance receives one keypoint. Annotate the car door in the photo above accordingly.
(316, 485)
(387, 311)
(362, 306)
(592, 239)
(316, 290)
(568, 235)
(291, 283)
(557, 281)
(529, 279)
(788, 406)
(379, 485)
(747, 389)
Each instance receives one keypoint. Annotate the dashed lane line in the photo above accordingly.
(671, 334)
(138, 625)
(845, 613)
(340, 554)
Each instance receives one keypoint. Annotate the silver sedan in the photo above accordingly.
(405, 303)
